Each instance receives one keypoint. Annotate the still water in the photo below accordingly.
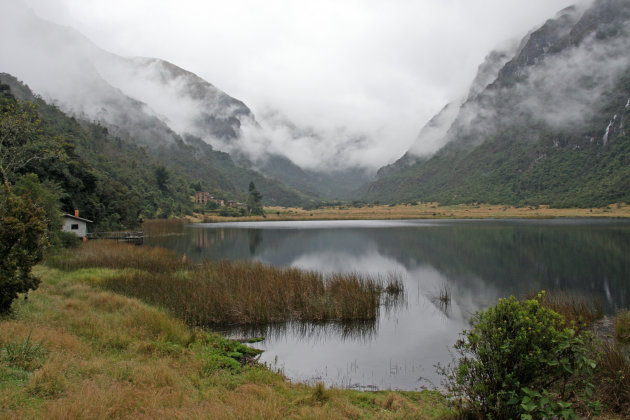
(477, 261)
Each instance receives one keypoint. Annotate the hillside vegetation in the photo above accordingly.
(118, 183)
(549, 129)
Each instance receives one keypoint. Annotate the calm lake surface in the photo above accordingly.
(478, 261)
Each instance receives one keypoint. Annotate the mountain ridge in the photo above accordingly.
(548, 130)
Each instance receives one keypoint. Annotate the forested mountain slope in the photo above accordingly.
(117, 182)
(549, 129)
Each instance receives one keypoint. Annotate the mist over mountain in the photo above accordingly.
(155, 103)
(548, 128)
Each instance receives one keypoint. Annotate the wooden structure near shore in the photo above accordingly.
(136, 238)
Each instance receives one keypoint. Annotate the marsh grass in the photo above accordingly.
(622, 326)
(614, 378)
(161, 227)
(111, 356)
(219, 293)
(106, 254)
(224, 292)
(579, 310)
(24, 354)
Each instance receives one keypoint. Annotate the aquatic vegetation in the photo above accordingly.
(227, 292)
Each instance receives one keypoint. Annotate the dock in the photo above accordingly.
(136, 238)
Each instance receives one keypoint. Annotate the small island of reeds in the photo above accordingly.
(227, 292)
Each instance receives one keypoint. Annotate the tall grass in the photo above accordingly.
(247, 293)
(159, 227)
(227, 292)
(622, 326)
(107, 254)
(576, 309)
(613, 382)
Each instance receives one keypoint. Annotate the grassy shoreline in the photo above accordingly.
(90, 353)
(77, 349)
(422, 211)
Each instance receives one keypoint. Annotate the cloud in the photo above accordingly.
(357, 69)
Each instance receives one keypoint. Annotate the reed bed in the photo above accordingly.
(225, 292)
(613, 381)
(160, 227)
(581, 310)
(219, 293)
(107, 254)
(622, 326)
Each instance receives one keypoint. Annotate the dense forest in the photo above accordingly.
(112, 180)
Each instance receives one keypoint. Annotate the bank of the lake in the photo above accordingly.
(421, 211)
(84, 352)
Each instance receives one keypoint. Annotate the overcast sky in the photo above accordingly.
(382, 68)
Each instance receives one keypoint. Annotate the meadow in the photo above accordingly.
(421, 210)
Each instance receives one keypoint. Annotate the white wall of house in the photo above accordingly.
(76, 226)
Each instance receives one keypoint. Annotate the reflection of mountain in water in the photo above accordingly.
(507, 256)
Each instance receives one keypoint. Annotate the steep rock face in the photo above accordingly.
(435, 132)
(548, 129)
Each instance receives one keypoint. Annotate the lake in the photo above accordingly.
(476, 261)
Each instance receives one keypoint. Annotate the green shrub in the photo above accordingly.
(25, 354)
(622, 326)
(66, 240)
(22, 242)
(520, 359)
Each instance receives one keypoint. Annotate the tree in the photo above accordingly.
(22, 242)
(23, 224)
(254, 201)
(18, 137)
(161, 177)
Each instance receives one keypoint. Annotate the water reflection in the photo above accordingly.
(475, 261)
(315, 332)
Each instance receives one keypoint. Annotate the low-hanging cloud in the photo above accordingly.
(364, 76)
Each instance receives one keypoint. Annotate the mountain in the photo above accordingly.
(178, 116)
(548, 128)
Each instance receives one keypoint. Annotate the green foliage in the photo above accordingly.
(46, 195)
(520, 359)
(25, 354)
(22, 241)
(524, 161)
(112, 180)
(254, 201)
(622, 326)
(219, 353)
(161, 177)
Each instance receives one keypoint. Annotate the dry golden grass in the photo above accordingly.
(423, 211)
(108, 356)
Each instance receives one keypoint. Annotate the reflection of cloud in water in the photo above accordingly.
(370, 262)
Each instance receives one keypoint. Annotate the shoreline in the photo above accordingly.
(421, 211)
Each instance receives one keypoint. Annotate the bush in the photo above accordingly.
(520, 360)
(22, 241)
(66, 240)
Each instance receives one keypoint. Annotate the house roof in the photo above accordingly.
(77, 218)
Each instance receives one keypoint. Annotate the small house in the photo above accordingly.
(75, 224)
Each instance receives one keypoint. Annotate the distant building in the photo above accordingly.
(203, 197)
(75, 224)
